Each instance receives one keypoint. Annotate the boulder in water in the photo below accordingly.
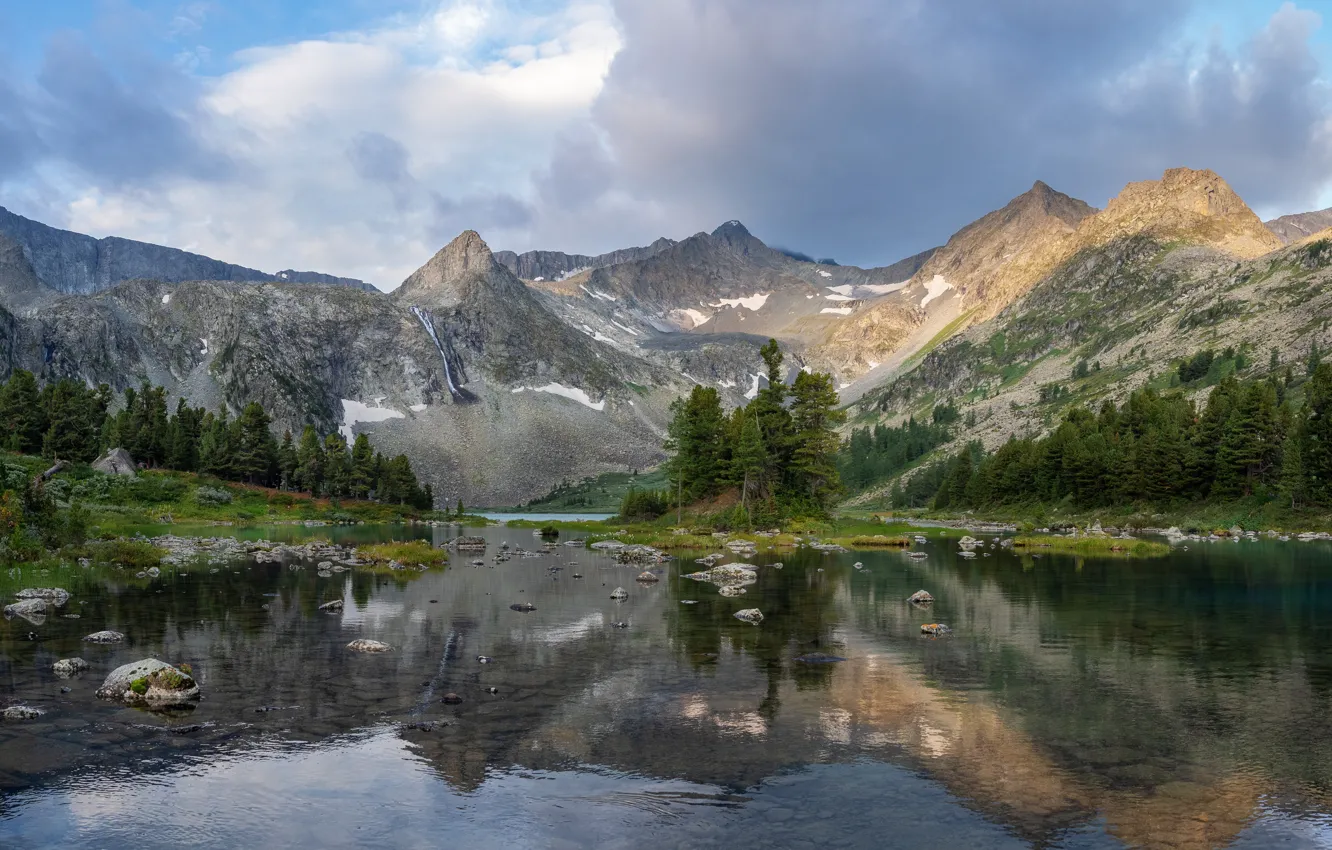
(115, 462)
(104, 637)
(335, 605)
(364, 645)
(523, 606)
(66, 667)
(55, 595)
(150, 683)
(920, 597)
(935, 629)
(619, 593)
(21, 712)
(750, 615)
(32, 610)
(647, 577)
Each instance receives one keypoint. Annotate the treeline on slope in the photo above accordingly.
(872, 456)
(1248, 440)
(777, 453)
(68, 420)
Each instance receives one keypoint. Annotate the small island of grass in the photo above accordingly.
(1093, 545)
(410, 553)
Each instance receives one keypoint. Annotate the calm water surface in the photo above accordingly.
(1173, 703)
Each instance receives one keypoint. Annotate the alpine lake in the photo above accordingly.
(1174, 702)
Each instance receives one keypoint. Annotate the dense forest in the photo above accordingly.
(68, 420)
(776, 454)
(1250, 438)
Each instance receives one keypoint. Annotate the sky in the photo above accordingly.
(357, 137)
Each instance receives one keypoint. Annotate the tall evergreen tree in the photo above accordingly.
(310, 462)
(256, 458)
(22, 416)
(814, 418)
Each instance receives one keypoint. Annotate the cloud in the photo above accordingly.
(870, 131)
(863, 129)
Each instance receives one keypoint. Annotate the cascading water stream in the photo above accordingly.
(424, 318)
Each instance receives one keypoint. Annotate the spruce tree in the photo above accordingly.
(362, 467)
(749, 460)
(310, 462)
(814, 418)
(337, 466)
(256, 451)
(1316, 442)
(21, 415)
(287, 462)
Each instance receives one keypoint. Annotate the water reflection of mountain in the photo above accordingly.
(1052, 707)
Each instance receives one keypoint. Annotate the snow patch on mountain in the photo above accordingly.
(882, 288)
(355, 411)
(602, 296)
(835, 297)
(844, 289)
(572, 393)
(753, 391)
(838, 311)
(753, 303)
(934, 288)
(166, 299)
(822, 273)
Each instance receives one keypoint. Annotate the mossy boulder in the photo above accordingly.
(150, 683)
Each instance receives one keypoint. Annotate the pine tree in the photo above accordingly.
(337, 466)
(362, 467)
(814, 418)
(310, 462)
(750, 458)
(21, 415)
(256, 450)
(461, 512)
(287, 462)
(1316, 442)
(1292, 469)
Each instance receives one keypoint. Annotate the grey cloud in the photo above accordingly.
(379, 159)
(484, 213)
(126, 125)
(868, 130)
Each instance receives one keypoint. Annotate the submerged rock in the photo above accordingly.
(21, 712)
(920, 597)
(731, 590)
(335, 605)
(364, 645)
(730, 574)
(819, 658)
(66, 667)
(523, 606)
(935, 629)
(619, 593)
(149, 683)
(647, 577)
(749, 615)
(104, 637)
(452, 699)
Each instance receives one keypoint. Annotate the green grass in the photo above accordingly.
(1109, 546)
(866, 541)
(135, 554)
(938, 339)
(409, 552)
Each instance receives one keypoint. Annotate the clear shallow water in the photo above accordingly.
(1178, 703)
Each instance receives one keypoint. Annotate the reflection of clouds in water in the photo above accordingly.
(695, 707)
(375, 614)
(565, 633)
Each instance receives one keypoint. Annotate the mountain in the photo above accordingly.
(20, 288)
(74, 263)
(556, 265)
(1184, 205)
(1170, 268)
(1293, 228)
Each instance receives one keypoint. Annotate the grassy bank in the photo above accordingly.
(1097, 546)
(418, 553)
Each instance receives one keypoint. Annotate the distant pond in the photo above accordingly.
(1182, 702)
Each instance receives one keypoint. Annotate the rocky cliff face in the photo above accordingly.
(74, 263)
(20, 288)
(1293, 228)
(1185, 205)
(557, 265)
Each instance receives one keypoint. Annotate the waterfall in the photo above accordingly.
(429, 325)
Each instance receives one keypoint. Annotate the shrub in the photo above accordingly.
(212, 496)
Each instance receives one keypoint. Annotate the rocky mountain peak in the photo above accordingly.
(457, 271)
(1293, 228)
(1185, 204)
(736, 236)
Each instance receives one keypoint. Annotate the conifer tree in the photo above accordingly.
(310, 462)
(362, 467)
(337, 466)
(814, 418)
(287, 462)
(256, 450)
(22, 419)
